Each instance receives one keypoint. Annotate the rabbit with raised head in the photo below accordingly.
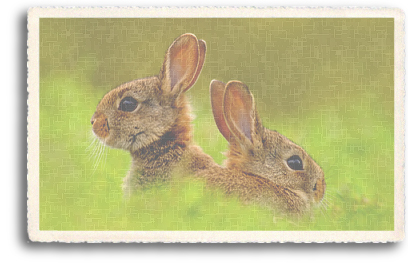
(262, 165)
(150, 118)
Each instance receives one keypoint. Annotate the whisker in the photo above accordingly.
(92, 139)
(105, 150)
(95, 166)
(324, 205)
(323, 213)
(94, 149)
(91, 147)
(97, 153)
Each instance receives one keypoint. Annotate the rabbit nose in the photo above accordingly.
(93, 119)
(319, 189)
(100, 125)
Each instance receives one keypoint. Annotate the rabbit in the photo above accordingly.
(262, 166)
(151, 118)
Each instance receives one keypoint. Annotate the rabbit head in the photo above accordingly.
(138, 113)
(256, 150)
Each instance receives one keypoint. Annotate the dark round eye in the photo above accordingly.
(128, 104)
(295, 163)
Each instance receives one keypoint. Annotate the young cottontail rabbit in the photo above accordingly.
(150, 118)
(262, 165)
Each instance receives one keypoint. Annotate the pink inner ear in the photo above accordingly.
(202, 48)
(244, 123)
(183, 61)
(217, 89)
(238, 107)
(175, 73)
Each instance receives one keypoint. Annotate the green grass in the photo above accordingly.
(336, 102)
(76, 196)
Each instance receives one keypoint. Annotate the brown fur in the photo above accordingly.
(158, 133)
(256, 166)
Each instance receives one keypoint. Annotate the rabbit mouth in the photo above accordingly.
(107, 125)
(319, 190)
(133, 139)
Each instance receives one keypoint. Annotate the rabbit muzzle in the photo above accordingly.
(318, 190)
(100, 125)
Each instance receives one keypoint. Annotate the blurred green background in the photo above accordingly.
(327, 84)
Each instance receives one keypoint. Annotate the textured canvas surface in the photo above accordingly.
(326, 83)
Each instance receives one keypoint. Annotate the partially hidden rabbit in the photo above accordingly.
(150, 118)
(262, 166)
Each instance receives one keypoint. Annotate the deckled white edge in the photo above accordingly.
(35, 234)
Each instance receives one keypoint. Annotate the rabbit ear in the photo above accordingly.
(217, 89)
(202, 49)
(183, 63)
(239, 111)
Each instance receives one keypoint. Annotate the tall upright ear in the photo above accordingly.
(182, 64)
(239, 111)
(202, 49)
(217, 89)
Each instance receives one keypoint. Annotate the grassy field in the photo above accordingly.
(326, 84)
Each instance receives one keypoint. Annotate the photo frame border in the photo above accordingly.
(33, 156)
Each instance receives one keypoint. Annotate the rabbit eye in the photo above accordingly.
(128, 104)
(295, 163)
